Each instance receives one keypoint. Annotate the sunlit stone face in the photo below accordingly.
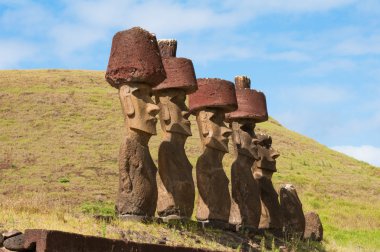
(139, 109)
(213, 130)
(173, 111)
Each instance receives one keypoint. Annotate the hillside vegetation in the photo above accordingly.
(60, 132)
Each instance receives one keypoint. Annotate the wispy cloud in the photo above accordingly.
(367, 153)
(359, 44)
(14, 52)
(327, 66)
(316, 93)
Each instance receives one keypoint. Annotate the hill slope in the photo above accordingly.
(59, 137)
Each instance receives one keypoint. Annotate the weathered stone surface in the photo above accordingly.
(180, 74)
(134, 57)
(213, 93)
(291, 207)
(209, 103)
(235, 216)
(313, 227)
(244, 188)
(1, 240)
(264, 167)
(15, 243)
(168, 47)
(214, 202)
(11, 233)
(252, 103)
(137, 172)
(176, 190)
(271, 215)
(57, 241)
(245, 192)
(5, 250)
(137, 179)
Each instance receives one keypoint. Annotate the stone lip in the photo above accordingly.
(134, 57)
(180, 74)
(251, 105)
(213, 93)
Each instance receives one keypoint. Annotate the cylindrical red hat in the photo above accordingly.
(179, 71)
(251, 103)
(213, 93)
(135, 57)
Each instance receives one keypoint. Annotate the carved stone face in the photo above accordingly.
(244, 137)
(214, 133)
(173, 111)
(267, 156)
(138, 107)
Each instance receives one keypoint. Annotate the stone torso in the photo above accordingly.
(214, 201)
(137, 180)
(271, 216)
(245, 192)
(175, 182)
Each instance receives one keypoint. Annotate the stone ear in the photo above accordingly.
(235, 133)
(129, 105)
(205, 123)
(236, 137)
(165, 113)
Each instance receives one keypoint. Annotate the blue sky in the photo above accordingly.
(318, 62)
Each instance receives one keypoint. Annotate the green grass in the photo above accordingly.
(60, 132)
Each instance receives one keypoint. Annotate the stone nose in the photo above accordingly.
(153, 109)
(274, 154)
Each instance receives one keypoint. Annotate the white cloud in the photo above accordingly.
(367, 153)
(14, 52)
(26, 17)
(359, 45)
(295, 6)
(309, 94)
(327, 66)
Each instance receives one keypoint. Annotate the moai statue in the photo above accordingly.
(176, 191)
(291, 207)
(271, 215)
(134, 67)
(209, 103)
(246, 206)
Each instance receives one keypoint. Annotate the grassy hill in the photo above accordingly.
(59, 138)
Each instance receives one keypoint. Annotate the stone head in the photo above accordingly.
(266, 165)
(213, 131)
(171, 93)
(213, 98)
(244, 138)
(174, 113)
(138, 107)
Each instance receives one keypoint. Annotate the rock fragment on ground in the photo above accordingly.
(313, 227)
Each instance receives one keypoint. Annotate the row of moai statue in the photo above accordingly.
(141, 67)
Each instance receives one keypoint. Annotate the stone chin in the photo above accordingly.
(248, 152)
(221, 145)
(267, 165)
(180, 128)
(148, 127)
